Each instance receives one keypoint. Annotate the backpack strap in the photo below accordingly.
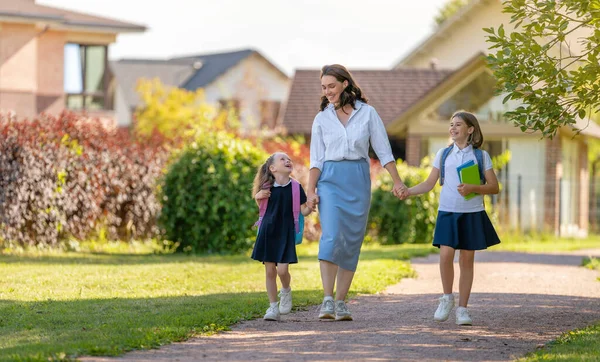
(443, 162)
(479, 158)
(296, 203)
(262, 206)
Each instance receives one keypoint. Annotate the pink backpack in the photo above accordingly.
(298, 217)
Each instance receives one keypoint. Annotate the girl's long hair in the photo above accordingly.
(476, 138)
(264, 178)
(350, 94)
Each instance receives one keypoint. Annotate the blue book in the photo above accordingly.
(464, 165)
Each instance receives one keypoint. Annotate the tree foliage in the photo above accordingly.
(173, 111)
(207, 204)
(448, 10)
(549, 63)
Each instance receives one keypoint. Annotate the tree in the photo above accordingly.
(549, 63)
(448, 10)
(173, 111)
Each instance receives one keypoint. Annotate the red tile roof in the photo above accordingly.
(28, 10)
(391, 92)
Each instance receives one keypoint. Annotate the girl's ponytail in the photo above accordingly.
(264, 179)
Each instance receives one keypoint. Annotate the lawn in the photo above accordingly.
(57, 305)
(577, 345)
(544, 243)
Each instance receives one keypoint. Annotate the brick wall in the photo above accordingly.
(413, 150)
(584, 186)
(18, 58)
(553, 173)
(31, 69)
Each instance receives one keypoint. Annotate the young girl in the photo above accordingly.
(275, 243)
(461, 224)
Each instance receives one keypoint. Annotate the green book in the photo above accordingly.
(470, 175)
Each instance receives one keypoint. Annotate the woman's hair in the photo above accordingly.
(350, 94)
(263, 177)
(475, 138)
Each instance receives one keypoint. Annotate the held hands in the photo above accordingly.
(312, 200)
(400, 190)
(312, 204)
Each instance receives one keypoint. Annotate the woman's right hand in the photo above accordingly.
(262, 194)
(313, 197)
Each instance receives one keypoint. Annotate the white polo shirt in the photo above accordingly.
(450, 199)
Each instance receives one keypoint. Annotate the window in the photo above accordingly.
(269, 110)
(86, 77)
(231, 106)
(470, 98)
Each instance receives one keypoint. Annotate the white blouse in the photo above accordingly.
(331, 141)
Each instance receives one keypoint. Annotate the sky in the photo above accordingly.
(293, 34)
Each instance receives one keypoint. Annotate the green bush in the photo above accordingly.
(207, 206)
(410, 221)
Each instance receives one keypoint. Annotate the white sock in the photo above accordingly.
(328, 297)
(451, 296)
(274, 304)
(286, 290)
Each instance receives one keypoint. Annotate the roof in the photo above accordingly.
(27, 11)
(128, 72)
(212, 66)
(188, 72)
(440, 31)
(391, 92)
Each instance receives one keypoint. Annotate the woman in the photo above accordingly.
(339, 180)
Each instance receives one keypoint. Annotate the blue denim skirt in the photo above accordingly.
(344, 190)
(467, 231)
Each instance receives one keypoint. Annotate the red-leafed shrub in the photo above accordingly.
(71, 176)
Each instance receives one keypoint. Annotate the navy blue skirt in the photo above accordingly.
(467, 231)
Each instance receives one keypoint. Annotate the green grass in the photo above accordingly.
(59, 305)
(591, 263)
(577, 345)
(544, 243)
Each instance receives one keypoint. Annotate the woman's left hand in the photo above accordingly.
(465, 189)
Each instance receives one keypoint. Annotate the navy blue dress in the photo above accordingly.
(276, 239)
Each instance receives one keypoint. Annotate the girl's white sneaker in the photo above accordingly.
(462, 317)
(443, 311)
(272, 314)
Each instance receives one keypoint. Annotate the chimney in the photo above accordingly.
(433, 63)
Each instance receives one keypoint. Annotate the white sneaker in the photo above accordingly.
(272, 314)
(443, 311)
(462, 317)
(341, 311)
(285, 302)
(327, 311)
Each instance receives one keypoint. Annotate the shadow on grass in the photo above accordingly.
(36, 330)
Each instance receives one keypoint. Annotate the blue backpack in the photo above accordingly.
(478, 157)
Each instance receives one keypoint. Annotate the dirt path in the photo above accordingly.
(519, 302)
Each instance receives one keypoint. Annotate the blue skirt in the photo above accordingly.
(344, 190)
(467, 231)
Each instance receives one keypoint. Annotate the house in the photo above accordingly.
(244, 79)
(545, 184)
(52, 59)
(391, 92)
